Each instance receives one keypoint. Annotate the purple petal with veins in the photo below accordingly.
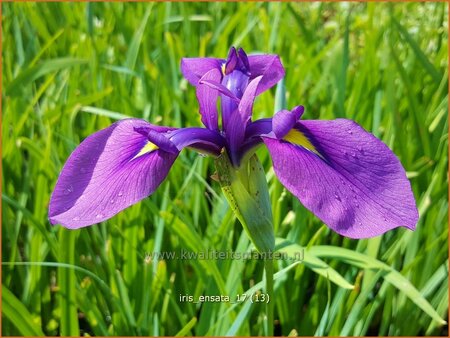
(269, 67)
(357, 186)
(194, 69)
(235, 129)
(207, 99)
(236, 83)
(107, 173)
(186, 137)
(218, 87)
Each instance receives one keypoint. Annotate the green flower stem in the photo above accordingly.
(268, 268)
(247, 193)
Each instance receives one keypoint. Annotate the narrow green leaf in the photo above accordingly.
(45, 67)
(67, 284)
(392, 276)
(312, 262)
(17, 313)
(418, 51)
(187, 328)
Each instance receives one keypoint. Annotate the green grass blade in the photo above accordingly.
(18, 314)
(67, 284)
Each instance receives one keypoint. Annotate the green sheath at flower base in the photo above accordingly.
(247, 192)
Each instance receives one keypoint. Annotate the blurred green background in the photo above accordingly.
(70, 69)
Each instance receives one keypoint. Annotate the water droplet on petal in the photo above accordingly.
(68, 190)
(336, 196)
(76, 219)
(120, 194)
(359, 223)
(385, 219)
(99, 216)
(112, 201)
(350, 131)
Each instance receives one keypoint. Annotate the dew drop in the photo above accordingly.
(76, 219)
(68, 190)
(120, 194)
(385, 219)
(112, 201)
(336, 196)
(360, 149)
(99, 216)
(350, 131)
(360, 224)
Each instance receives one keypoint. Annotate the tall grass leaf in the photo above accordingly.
(240, 319)
(29, 75)
(311, 261)
(125, 308)
(104, 112)
(187, 328)
(418, 51)
(67, 284)
(18, 314)
(392, 276)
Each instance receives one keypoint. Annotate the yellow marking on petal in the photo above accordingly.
(148, 148)
(223, 68)
(297, 137)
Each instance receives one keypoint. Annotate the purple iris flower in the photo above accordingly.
(347, 177)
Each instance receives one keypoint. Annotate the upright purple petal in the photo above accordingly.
(236, 82)
(109, 171)
(236, 126)
(207, 99)
(269, 67)
(193, 69)
(357, 186)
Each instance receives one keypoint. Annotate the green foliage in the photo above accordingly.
(70, 69)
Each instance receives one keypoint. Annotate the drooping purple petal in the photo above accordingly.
(357, 186)
(207, 99)
(158, 138)
(269, 67)
(198, 137)
(193, 69)
(109, 171)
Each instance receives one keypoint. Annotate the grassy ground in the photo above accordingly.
(70, 69)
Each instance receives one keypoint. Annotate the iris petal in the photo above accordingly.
(269, 67)
(357, 186)
(193, 69)
(236, 126)
(207, 99)
(109, 171)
